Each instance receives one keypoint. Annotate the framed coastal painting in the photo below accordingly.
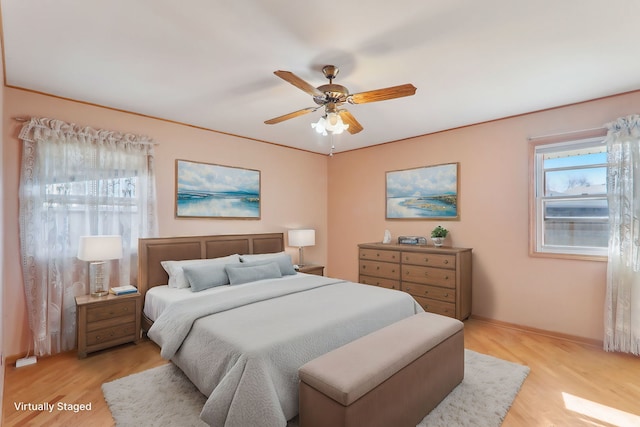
(206, 190)
(429, 192)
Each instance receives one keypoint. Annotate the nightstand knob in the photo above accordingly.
(426, 260)
(446, 277)
(446, 295)
(446, 261)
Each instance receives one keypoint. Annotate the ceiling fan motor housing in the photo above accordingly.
(337, 94)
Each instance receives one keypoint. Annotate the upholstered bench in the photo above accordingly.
(392, 377)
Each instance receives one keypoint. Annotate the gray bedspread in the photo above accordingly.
(243, 349)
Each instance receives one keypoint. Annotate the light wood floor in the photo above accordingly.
(570, 384)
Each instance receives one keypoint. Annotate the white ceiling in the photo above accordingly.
(210, 63)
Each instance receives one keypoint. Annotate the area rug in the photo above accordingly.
(163, 396)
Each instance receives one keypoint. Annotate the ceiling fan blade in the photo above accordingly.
(298, 82)
(383, 94)
(347, 118)
(290, 115)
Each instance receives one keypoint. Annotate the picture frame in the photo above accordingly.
(206, 190)
(427, 192)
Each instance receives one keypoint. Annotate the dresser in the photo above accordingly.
(107, 321)
(438, 278)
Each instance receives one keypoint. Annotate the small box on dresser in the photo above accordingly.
(107, 321)
(439, 278)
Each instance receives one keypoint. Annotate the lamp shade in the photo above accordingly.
(99, 248)
(300, 238)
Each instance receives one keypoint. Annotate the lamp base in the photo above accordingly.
(98, 279)
(99, 293)
(300, 257)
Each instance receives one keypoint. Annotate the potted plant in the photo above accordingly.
(438, 235)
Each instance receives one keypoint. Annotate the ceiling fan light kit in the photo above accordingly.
(332, 96)
(331, 122)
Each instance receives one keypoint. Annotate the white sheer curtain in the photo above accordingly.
(77, 181)
(622, 310)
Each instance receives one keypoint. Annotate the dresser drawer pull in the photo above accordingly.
(446, 295)
(446, 261)
(446, 277)
(426, 260)
(378, 267)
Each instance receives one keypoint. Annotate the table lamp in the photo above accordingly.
(300, 239)
(97, 250)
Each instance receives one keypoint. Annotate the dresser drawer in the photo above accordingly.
(379, 281)
(438, 307)
(433, 292)
(102, 312)
(380, 255)
(109, 334)
(380, 269)
(429, 276)
(429, 260)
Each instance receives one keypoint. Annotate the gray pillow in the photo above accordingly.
(250, 272)
(205, 276)
(283, 259)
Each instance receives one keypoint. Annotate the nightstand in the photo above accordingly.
(318, 270)
(107, 321)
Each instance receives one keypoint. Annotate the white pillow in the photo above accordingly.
(178, 280)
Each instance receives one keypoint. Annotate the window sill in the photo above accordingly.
(600, 258)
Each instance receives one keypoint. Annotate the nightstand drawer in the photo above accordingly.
(429, 276)
(379, 281)
(109, 334)
(433, 292)
(429, 260)
(380, 269)
(112, 321)
(438, 307)
(378, 255)
(109, 311)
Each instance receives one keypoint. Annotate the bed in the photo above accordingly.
(242, 344)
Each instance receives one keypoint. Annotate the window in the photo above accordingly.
(77, 181)
(570, 214)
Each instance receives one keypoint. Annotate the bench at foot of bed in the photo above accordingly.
(392, 377)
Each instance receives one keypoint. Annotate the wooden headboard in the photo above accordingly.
(151, 251)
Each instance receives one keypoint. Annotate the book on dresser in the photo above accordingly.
(438, 278)
(123, 290)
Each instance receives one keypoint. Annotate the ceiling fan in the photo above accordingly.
(332, 97)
